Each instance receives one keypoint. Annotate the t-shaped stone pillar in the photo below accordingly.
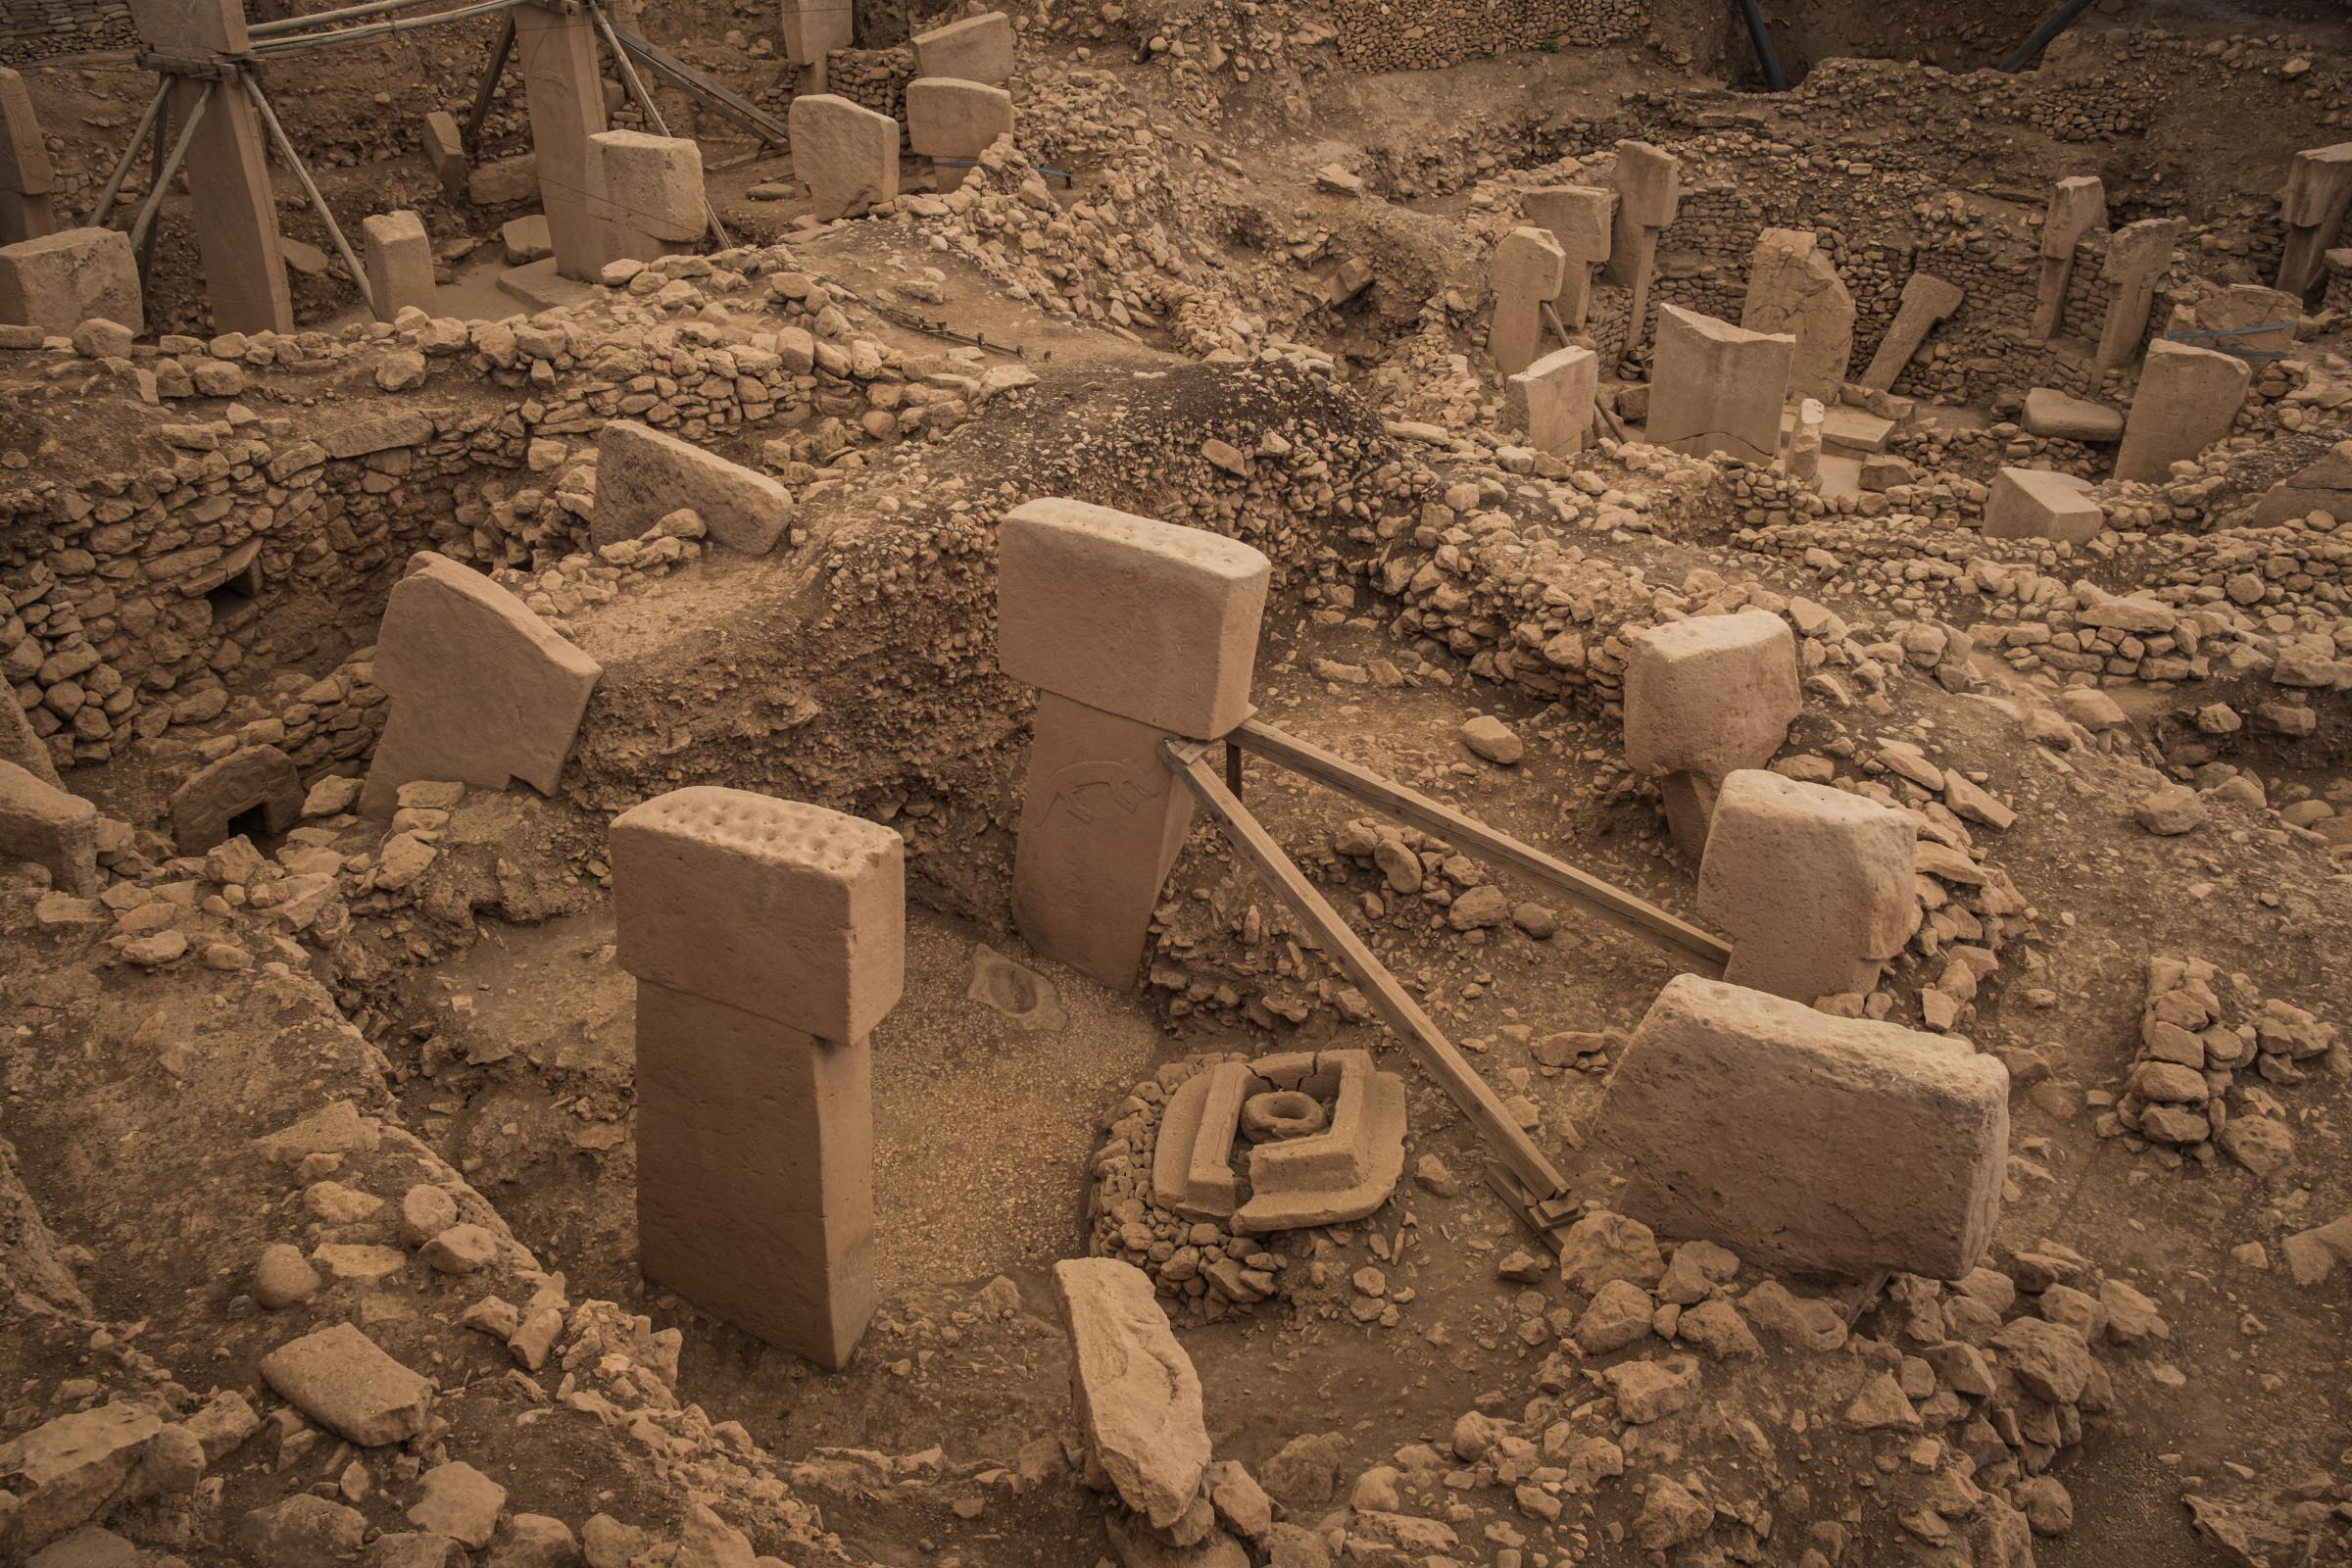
(1927, 300)
(227, 167)
(1132, 631)
(2317, 196)
(1649, 189)
(555, 48)
(1579, 218)
(1704, 698)
(2077, 204)
(768, 938)
(25, 178)
(1529, 272)
(1813, 886)
(2138, 255)
(2187, 400)
(1792, 288)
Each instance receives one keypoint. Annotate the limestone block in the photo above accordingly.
(1718, 388)
(643, 475)
(1804, 1143)
(815, 28)
(482, 691)
(779, 909)
(1792, 288)
(2186, 398)
(2313, 204)
(2077, 204)
(848, 154)
(755, 1146)
(340, 1379)
(1528, 271)
(69, 1469)
(1812, 885)
(1927, 299)
(2035, 504)
(250, 779)
(1577, 218)
(2324, 484)
(1136, 1396)
(947, 117)
(398, 258)
(44, 825)
(1102, 822)
(1711, 694)
(1146, 621)
(649, 193)
(1650, 184)
(24, 157)
(2050, 412)
(60, 280)
(1551, 400)
(445, 152)
(191, 26)
(976, 49)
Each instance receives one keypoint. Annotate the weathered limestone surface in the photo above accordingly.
(1529, 272)
(1813, 885)
(1551, 400)
(1927, 299)
(2187, 400)
(1101, 822)
(815, 28)
(58, 281)
(1136, 1394)
(2317, 196)
(555, 52)
(649, 193)
(2077, 204)
(251, 778)
(1792, 288)
(947, 117)
(482, 691)
(25, 176)
(975, 49)
(2137, 256)
(644, 474)
(848, 154)
(339, 1378)
(44, 825)
(399, 257)
(778, 908)
(1711, 694)
(1649, 192)
(1579, 218)
(1716, 1116)
(67, 1470)
(1718, 388)
(1148, 620)
(2038, 504)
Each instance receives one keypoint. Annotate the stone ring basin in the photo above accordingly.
(1281, 1113)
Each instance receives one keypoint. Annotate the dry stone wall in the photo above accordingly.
(37, 29)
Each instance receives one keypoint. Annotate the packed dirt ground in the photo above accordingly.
(319, 1160)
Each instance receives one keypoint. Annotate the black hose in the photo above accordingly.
(2060, 20)
(1771, 62)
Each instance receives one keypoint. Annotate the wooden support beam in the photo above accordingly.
(1422, 1037)
(1704, 954)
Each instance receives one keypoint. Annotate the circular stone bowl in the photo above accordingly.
(1281, 1113)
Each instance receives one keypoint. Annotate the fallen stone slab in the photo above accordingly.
(483, 692)
(643, 475)
(2041, 503)
(44, 825)
(65, 1472)
(1814, 1144)
(1136, 1394)
(2323, 484)
(339, 1378)
(2052, 412)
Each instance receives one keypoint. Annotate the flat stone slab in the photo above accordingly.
(643, 475)
(2042, 504)
(341, 1380)
(483, 691)
(1817, 1144)
(2052, 412)
(63, 1471)
(1136, 1394)
(1855, 430)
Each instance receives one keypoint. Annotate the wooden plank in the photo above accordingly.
(1429, 1046)
(1704, 954)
